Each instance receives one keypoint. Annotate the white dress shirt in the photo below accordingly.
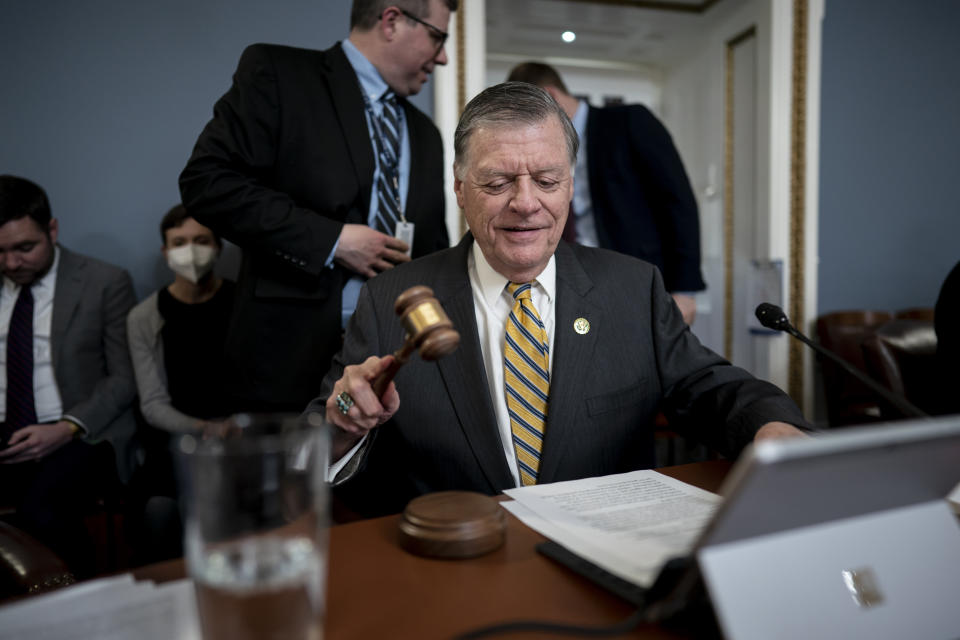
(45, 391)
(492, 304)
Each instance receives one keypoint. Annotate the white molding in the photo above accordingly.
(446, 109)
(811, 261)
(780, 71)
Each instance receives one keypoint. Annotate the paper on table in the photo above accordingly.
(108, 609)
(38, 607)
(629, 523)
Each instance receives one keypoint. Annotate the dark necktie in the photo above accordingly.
(21, 409)
(388, 150)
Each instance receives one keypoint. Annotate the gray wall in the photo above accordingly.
(890, 152)
(102, 101)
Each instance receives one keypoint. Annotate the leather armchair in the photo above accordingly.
(27, 566)
(901, 355)
(848, 400)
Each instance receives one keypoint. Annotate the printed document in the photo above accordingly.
(116, 608)
(630, 524)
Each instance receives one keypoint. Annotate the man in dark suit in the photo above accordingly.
(609, 345)
(68, 385)
(308, 162)
(632, 195)
(946, 321)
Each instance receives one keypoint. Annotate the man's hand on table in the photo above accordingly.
(772, 430)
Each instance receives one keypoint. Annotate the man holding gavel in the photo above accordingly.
(566, 353)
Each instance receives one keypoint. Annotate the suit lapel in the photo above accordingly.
(573, 357)
(351, 112)
(463, 371)
(66, 297)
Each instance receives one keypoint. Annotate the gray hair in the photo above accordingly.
(509, 104)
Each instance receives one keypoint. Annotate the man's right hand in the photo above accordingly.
(367, 251)
(368, 411)
(36, 441)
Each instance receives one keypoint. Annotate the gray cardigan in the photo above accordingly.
(146, 350)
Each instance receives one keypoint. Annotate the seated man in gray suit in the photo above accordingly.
(67, 385)
(567, 352)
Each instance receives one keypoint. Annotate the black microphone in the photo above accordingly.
(772, 317)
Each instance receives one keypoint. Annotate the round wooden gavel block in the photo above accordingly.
(452, 524)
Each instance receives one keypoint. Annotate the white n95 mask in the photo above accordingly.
(192, 261)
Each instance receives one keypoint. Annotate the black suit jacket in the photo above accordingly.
(947, 326)
(283, 164)
(643, 205)
(606, 387)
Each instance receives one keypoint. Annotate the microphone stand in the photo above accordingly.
(782, 324)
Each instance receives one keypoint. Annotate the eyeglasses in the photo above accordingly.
(439, 36)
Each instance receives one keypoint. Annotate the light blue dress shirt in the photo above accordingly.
(373, 87)
(582, 204)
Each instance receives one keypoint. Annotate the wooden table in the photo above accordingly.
(377, 590)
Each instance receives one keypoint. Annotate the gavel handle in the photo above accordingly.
(400, 357)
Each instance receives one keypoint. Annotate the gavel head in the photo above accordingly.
(427, 324)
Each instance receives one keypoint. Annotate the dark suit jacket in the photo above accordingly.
(606, 386)
(947, 326)
(283, 164)
(643, 205)
(91, 362)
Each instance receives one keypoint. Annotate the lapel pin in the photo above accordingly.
(581, 326)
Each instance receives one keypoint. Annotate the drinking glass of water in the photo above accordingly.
(257, 516)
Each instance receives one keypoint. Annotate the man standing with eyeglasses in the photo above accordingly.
(317, 166)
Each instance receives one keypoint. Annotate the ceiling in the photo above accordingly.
(610, 33)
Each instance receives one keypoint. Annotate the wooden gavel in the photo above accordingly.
(428, 328)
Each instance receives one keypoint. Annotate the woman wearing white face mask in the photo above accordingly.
(176, 334)
(176, 338)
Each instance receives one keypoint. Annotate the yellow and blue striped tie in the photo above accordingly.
(526, 358)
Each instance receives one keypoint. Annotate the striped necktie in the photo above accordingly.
(21, 408)
(526, 360)
(388, 152)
